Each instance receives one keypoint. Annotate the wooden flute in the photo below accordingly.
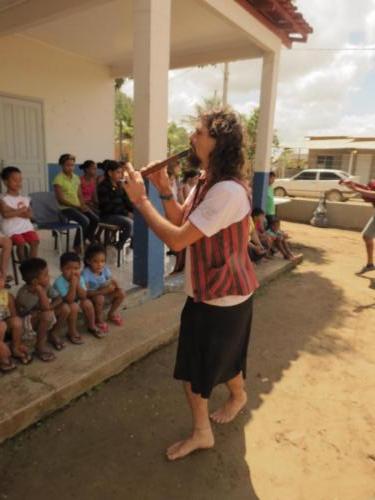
(154, 168)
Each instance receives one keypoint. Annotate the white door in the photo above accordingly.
(363, 168)
(22, 141)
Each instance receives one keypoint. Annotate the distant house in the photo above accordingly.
(355, 155)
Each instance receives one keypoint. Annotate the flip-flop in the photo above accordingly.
(24, 358)
(116, 320)
(103, 327)
(76, 339)
(45, 356)
(96, 332)
(7, 366)
(56, 342)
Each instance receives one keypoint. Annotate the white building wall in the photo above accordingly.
(77, 96)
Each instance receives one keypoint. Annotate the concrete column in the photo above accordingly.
(263, 150)
(150, 70)
(351, 162)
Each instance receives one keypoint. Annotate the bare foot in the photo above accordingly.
(199, 440)
(230, 409)
(295, 257)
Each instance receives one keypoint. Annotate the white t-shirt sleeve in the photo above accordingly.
(224, 204)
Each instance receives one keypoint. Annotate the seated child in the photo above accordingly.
(101, 287)
(39, 301)
(280, 238)
(72, 288)
(11, 323)
(255, 248)
(259, 219)
(16, 212)
(6, 250)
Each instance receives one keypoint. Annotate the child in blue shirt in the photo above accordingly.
(280, 239)
(101, 287)
(71, 286)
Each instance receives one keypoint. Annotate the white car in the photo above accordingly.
(314, 182)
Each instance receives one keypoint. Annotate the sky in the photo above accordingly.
(320, 91)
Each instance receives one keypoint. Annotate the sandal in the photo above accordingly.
(46, 356)
(116, 320)
(7, 366)
(75, 339)
(103, 327)
(56, 342)
(96, 332)
(23, 356)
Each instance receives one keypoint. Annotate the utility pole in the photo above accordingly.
(225, 83)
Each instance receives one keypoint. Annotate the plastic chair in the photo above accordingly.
(47, 216)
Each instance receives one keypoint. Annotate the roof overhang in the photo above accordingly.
(202, 31)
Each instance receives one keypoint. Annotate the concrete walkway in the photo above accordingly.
(32, 392)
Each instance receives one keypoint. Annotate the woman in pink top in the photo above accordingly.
(89, 183)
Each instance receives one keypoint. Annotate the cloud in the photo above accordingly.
(317, 90)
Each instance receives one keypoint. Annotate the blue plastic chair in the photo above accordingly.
(47, 216)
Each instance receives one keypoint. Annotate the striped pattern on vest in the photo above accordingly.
(220, 264)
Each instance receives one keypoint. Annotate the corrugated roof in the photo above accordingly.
(347, 143)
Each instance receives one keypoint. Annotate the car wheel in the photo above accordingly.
(334, 195)
(279, 191)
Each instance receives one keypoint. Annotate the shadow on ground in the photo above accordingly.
(315, 255)
(110, 443)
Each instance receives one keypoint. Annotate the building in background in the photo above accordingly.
(355, 155)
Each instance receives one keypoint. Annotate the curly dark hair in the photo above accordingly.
(227, 160)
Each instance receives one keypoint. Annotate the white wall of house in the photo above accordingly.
(77, 96)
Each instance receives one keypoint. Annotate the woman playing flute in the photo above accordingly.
(212, 226)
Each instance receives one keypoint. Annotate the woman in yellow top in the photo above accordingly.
(68, 193)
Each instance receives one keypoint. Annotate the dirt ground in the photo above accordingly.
(306, 434)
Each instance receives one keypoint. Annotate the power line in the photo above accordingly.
(321, 49)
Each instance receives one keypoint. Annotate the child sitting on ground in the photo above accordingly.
(255, 248)
(38, 301)
(16, 212)
(71, 286)
(11, 323)
(280, 239)
(101, 287)
(259, 219)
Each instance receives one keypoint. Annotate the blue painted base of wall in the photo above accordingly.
(260, 186)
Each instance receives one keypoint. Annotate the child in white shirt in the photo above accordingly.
(16, 212)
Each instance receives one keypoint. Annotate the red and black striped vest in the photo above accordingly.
(220, 264)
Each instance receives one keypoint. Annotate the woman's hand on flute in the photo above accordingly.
(159, 179)
(134, 185)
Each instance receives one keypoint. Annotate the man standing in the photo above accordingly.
(213, 227)
(368, 233)
(270, 204)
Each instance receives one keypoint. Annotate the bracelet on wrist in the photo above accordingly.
(166, 197)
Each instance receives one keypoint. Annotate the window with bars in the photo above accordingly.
(325, 161)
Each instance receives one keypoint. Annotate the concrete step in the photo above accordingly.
(34, 391)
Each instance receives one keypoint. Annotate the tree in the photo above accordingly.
(209, 103)
(178, 138)
(251, 126)
(124, 109)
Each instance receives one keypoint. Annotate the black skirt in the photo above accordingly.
(212, 345)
